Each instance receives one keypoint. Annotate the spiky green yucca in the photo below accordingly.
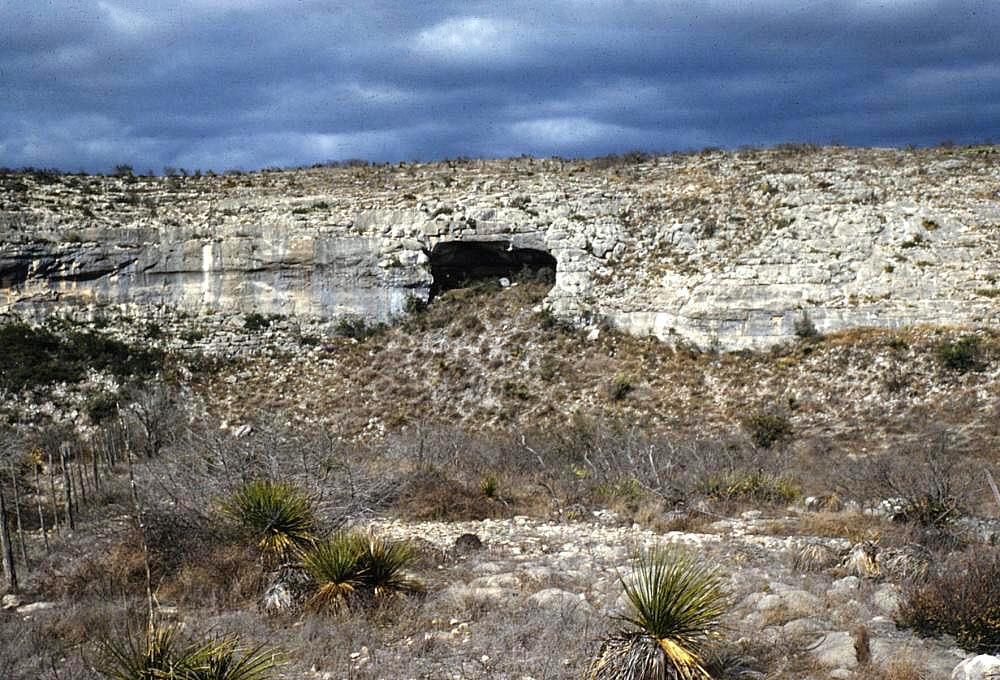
(383, 566)
(334, 563)
(351, 565)
(134, 658)
(279, 515)
(675, 606)
(162, 656)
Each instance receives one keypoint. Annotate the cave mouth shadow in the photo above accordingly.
(459, 264)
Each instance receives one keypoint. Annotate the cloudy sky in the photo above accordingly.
(223, 84)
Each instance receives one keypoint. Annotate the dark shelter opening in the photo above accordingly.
(458, 264)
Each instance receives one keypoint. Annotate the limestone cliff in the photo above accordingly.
(729, 249)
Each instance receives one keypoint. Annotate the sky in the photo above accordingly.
(247, 84)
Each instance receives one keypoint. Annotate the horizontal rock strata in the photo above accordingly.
(732, 250)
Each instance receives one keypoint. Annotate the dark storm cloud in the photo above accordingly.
(251, 83)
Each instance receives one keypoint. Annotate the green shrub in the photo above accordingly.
(757, 487)
(514, 389)
(767, 429)
(101, 405)
(961, 356)
(675, 606)
(490, 485)
(33, 357)
(351, 567)
(620, 387)
(279, 517)
(255, 322)
(414, 305)
(961, 599)
(334, 563)
(805, 328)
(357, 328)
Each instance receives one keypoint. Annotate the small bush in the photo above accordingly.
(930, 487)
(255, 322)
(767, 429)
(960, 599)
(756, 487)
(279, 516)
(961, 356)
(620, 387)
(514, 389)
(805, 328)
(490, 485)
(675, 606)
(430, 494)
(358, 328)
(413, 305)
(101, 405)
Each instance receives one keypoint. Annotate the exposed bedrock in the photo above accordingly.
(713, 249)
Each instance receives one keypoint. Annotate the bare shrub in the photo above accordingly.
(929, 486)
(960, 598)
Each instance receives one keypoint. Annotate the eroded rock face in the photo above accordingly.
(736, 250)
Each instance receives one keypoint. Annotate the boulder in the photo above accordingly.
(836, 650)
(467, 543)
(570, 606)
(981, 667)
(287, 592)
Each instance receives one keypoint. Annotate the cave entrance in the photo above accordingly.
(459, 264)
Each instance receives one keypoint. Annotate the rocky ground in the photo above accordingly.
(533, 599)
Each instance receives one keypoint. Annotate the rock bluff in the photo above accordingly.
(732, 250)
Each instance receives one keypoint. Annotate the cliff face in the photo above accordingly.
(728, 249)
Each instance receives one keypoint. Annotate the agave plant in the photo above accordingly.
(161, 655)
(350, 566)
(676, 605)
(280, 516)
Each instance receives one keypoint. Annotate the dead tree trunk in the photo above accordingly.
(95, 474)
(17, 517)
(141, 525)
(67, 486)
(52, 493)
(41, 511)
(5, 548)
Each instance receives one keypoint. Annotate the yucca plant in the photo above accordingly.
(675, 607)
(161, 655)
(224, 660)
(383, 566)
(335, 565)
(351, 566)
(279, 516)
(130, 657)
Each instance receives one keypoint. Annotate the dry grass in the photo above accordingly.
(854, 526)
(903, 666)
